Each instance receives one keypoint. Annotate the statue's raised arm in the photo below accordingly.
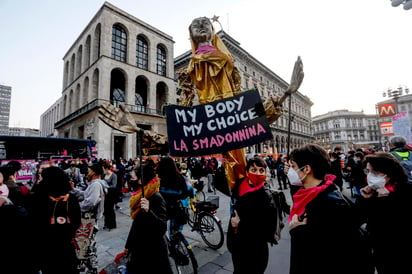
(121, 119)
(118, 118)
(297, 76)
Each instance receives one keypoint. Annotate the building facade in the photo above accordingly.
(256, 75)
(348, 130)
(118, 59)
(5, 101)
(21, 131)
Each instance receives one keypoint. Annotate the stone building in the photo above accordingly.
(256, 75)
(5, 101)
(121, 59)
(21, 131)
(118, 59)
(348, 130)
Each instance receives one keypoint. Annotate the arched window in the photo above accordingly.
(119, 43)
(118, 95)
(117, 87)
(138, 99)
(161, 61)
(141, 53)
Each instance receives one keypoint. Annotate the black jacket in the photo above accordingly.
(388, 222)
(257, 224)
(330, 242)
(146, 242)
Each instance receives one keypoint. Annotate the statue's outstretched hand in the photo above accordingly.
(297, 77)
(119, 118)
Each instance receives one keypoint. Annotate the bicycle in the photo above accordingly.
(182, 258)
(202, 218)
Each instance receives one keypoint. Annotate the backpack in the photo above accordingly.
(282, 210)
(405, 158)
(60, 213)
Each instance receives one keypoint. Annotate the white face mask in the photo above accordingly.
(376, 181)
(294, 177)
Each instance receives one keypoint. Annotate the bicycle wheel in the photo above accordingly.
(183, 259)
(211, 230)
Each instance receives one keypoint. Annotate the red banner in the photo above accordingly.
(386, 129)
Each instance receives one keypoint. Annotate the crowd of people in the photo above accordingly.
(324, 223)
(53, 211)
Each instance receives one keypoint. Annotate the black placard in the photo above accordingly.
(217, 127)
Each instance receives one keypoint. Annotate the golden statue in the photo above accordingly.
(212, 75)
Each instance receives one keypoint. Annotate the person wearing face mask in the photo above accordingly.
(385, 204)
(323, 223)
(251, 227)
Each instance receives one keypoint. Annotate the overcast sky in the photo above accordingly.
(352, 50)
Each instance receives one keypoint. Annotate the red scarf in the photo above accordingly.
(305, 195)
(390, 186)
(246, 188)
(149, 189)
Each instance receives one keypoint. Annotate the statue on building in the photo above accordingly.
(211, 75)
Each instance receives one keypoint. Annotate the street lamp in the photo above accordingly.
(395, 94)
(407, 4)
(290, 123)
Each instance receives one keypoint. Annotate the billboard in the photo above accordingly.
(386, 129)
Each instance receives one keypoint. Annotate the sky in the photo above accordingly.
(352, 51)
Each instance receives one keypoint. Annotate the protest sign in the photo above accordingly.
(217, 127)
(401, 126)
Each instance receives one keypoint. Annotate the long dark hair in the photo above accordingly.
(149, 171)
(55, 182)
(387, 163)
(168, 172)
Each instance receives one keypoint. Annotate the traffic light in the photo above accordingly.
(396, 3)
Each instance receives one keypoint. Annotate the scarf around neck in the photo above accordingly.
(150, 188)
(204, 49)
(305, 195)
(246, 188)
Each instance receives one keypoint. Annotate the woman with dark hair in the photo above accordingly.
(54, 216)
(385, 202)
(324, 227)
(14, 225)
(173, 189)
(146, 244)
(251, 225)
